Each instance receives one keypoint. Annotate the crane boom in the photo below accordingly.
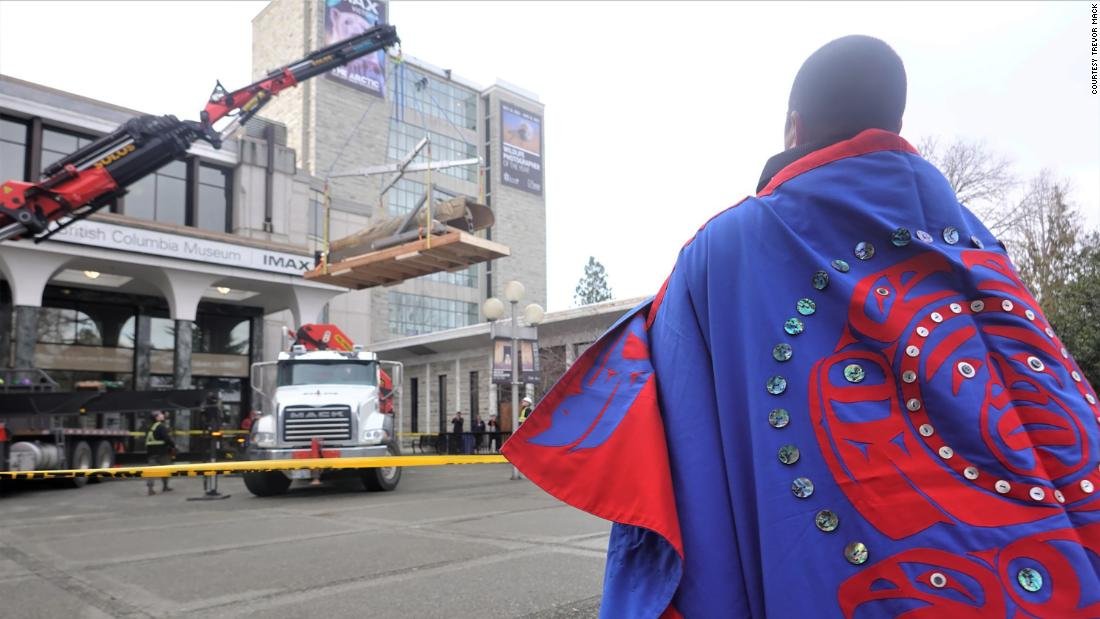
(90, 178)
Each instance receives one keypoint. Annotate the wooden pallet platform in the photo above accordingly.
(451, 251)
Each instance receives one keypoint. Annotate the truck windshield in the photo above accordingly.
(328, 373)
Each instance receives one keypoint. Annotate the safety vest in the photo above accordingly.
(150, 436)
(524, 413)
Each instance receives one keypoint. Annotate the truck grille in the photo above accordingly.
(302, 424)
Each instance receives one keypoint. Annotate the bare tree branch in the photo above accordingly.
(982, 180)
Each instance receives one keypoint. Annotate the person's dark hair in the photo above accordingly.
(854, 83)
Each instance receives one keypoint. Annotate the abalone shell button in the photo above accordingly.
(856, 553)
(779, 418)
(782, 352)
(802, 487)
(951, 235)
(826, 520)
(793, 326)
(854, 373)
(777, 385)
(865, 250)
(788, 454)
(1030, 579)
(901, 237)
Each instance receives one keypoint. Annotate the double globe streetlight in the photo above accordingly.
(493, 308)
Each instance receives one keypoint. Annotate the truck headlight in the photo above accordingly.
(264, 439)
(373, 436)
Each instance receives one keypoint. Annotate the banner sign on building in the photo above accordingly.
(528, 361)
(140, 240)
(520, 148)
(345, 19)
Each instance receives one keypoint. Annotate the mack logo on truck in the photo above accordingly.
(318, 414)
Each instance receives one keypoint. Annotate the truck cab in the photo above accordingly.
(322, 403)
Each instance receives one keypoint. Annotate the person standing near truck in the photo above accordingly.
(159, 447)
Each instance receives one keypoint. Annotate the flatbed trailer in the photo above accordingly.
(45, 429)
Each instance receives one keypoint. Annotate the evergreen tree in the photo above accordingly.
(592, 286)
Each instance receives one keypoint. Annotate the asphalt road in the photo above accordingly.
(449, 542)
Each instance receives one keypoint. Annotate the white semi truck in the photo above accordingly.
(323, 398)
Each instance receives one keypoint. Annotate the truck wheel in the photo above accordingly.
(269, 483)
(79, 459)
(104, 459)
(384, 479)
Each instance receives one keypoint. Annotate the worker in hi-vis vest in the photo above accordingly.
(159, 447)
(524, 409)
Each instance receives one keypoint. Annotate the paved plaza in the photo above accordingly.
(459, 541)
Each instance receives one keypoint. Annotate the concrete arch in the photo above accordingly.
(28, 271)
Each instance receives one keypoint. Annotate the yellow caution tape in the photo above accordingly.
(254, 466)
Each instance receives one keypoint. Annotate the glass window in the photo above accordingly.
(87, 324)
(417, 90)
(403, 197)
(161, 196)
(404, 137)
(327, 373)
(412, 314)
(223, 335)
(466, 277)
(13, 150)
(162, 331)
(57, 144)
(213, 204)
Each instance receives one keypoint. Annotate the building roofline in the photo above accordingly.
(66, 93)
(482, 330)
(514, 89)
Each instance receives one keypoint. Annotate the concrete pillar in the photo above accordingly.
(182, 290)
(492, 387)
(458, 391)
(428, 397)
(256, 347)
(181, 357)
(26, 335)
(143, 346)
(6, 326)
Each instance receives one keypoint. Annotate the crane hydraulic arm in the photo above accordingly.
(89, 179)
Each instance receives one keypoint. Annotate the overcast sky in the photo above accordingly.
(658, 114)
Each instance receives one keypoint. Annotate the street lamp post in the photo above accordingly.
(533, 313)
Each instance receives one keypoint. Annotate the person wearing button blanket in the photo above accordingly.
(843, 402)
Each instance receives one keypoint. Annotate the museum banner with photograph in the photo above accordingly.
(345, 19)
(520, 148)
(502, 361)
